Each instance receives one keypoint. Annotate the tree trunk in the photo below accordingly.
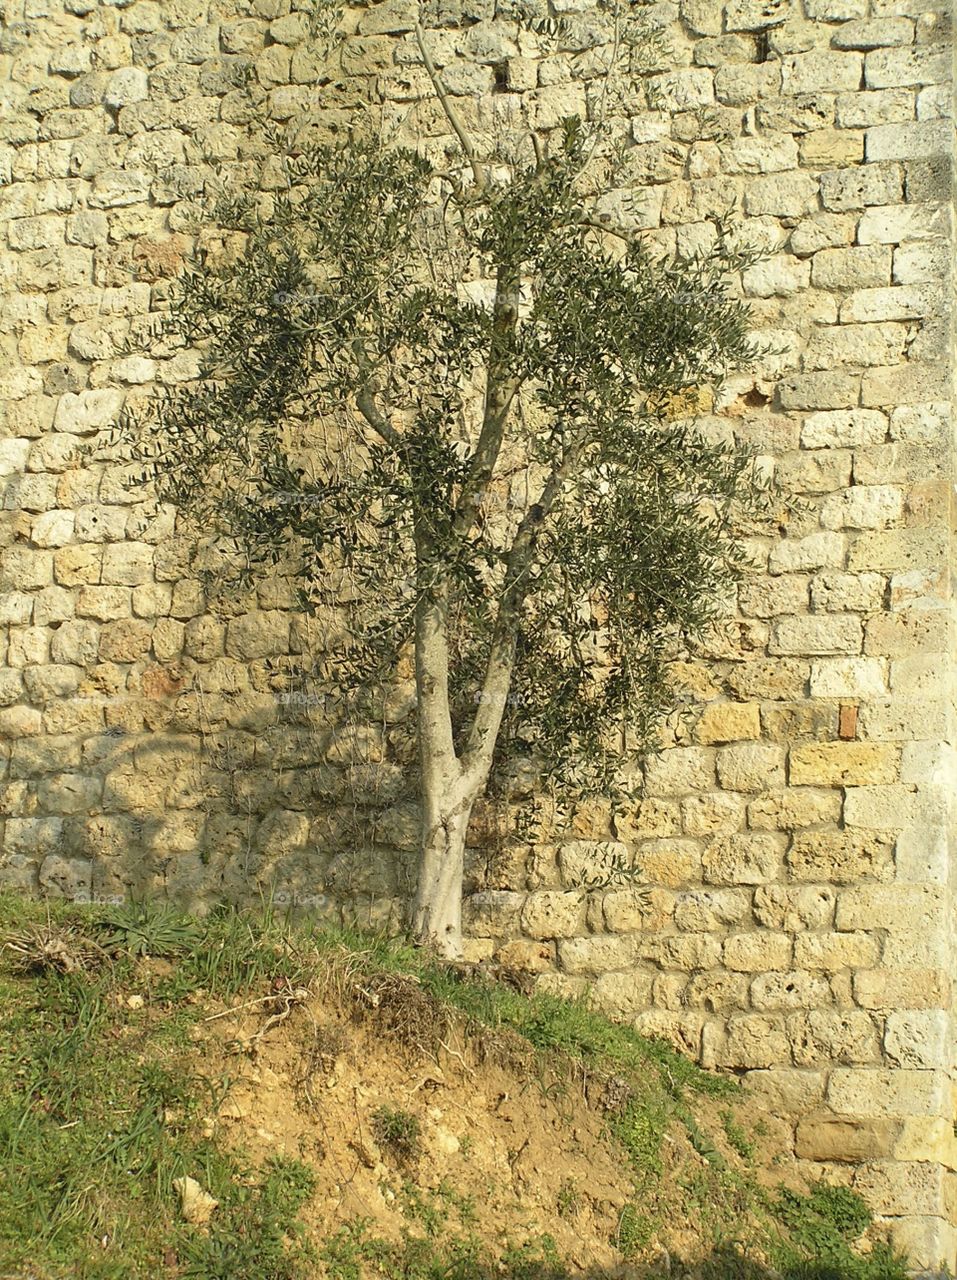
(437, 911)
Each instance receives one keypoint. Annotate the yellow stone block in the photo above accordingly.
(728, 722)
(843, 763)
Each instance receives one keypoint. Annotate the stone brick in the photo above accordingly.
(833, 952)
(700, 910)
(713, 813)
(848, 678)
(827, 1137)
(896, 1187)
(820, 389)
(621, 994)
(817, 634)
(789, 990)
(751, 766)
(841, 857)
(257, 635)
(680, 770)
(825, 1037)
(896, 989)
(823, 550)
(758, 952)
(763, 678)
(892, 1093)
(728, 722)
(897, 224)
(600, 953)
(792, 808)
(686, 951)
(553, 915)
(742, 859)
(493, 913)
(856, 267)
(842, 763)
(585, 861)
(754, 1041)
(669, 862)
(918, 1038)
(632, 910)
(869, 184)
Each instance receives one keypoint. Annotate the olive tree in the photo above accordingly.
(461, 397)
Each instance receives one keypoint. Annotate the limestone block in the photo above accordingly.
(649, 818)
(679, 770)
(754, 1041)
(751, 153)
(921, 263)
(751, 766)
(75, 642)
(923, 139)
(898, 1187)
(713, 813)
(898, 224)
(920, 424)
(742, 859)
(791, 808)
(908, 632)
(831, 149)
(848, 678)
(553, 914)
(863, 507)
(856, 344)
(758, 952)
(841, 856)
(824, 550)
(904, 719)
(869, 184)
(785, 1091)
(717, 991)
(127, 563)
(823, 1136)
(46, 683)
(858, 266)
(793, 989)
(896, 989)
(889, 68)
(783, 274)
(685, 951)
(126, 640)
(669, 862)
(600, 953)
(126, 85)
(820, 389)
(765, 597)
(882, 33)
(762, 678)
(822, 1037)
(28, 646)
(259, 634)
(861, 109)
(632, 910)
(918, 1038)
(36, 837)
(833, 952)
(822, 231)
(782, 195)
(493, 913)
(843, 763)
(70, 878)
(728, 722)
(117, 188)
(622, 994)
(581, 861)
(817, 471)
(700, 910)
(886, 1092)
(900, 550)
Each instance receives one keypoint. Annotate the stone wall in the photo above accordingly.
(793, 917)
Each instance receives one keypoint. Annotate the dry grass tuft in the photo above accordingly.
(42, 948)
(399, 1007)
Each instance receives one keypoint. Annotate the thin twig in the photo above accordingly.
(478, 169)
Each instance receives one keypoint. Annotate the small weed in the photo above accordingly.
(397, 1130)
(143, 929)
(737, 1136)
(634, 1234)
(569, 1200)
(466, 1144)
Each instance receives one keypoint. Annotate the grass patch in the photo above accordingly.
(104, 1105)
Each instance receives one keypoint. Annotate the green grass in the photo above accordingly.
(103, 1104)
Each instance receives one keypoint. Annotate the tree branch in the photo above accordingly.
(478, 169)
(365, 401)
(477, 756)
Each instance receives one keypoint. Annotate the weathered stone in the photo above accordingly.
(553, 915)
(841, 857)
(823, 1037)
(622, 994)
(827, 1137)
(751, 766)
(742, 859)
(842, 763)
(792, 808)
(758, 952)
